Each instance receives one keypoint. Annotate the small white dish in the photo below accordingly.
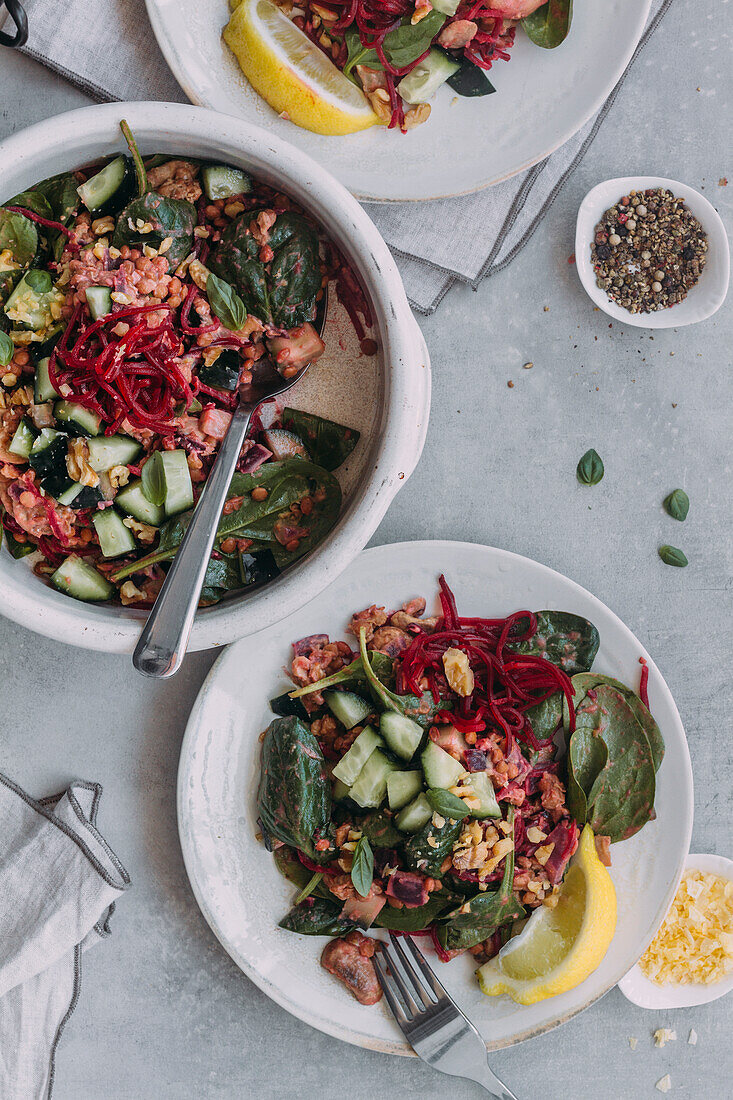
(646, 994)
(708, 294)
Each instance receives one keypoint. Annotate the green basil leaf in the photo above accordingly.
(226, 303)
(590, 468)
(677, 504)
(446, 804)
(549, 25)
(309, 887)
(7, 349)
(362, 869)
(670, 555)
(153, 480)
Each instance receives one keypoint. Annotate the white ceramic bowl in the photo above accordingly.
(387, 397)
(708, 294)
(637, 988)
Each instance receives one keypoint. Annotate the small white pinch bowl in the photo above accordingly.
(708, 294)
(646, 994)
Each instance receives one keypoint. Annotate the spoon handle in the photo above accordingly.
(164, 639)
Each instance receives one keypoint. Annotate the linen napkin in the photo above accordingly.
(435, 243)
(58, 884)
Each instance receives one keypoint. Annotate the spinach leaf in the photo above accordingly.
(585, 681)
(7, 349)
(621, 798)
(316, 917)
(294, 795)
(33, 201)
(426, 857)
(447, 804)
(19, 235)
(283, 291)
(222, 576)
(590, 468)
(352, 673)
(587, 757)
(481, 916)
(569, 641)
(422, 710)
(671, 555)
(61, 193)
(677, 504)
(329, 444)
(380, 831)
(359, 54)
(545, 717)
(549, 25)
(226, 303)
(413, 920)
(290, 867)
(174, 218)
(409, 41)
(362, 868)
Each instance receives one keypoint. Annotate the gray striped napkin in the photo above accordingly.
(435, 243)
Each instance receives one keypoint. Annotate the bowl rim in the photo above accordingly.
(607, 192)
(399, 437)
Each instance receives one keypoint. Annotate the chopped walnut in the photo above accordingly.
(458, 671)
(77, 463)
(119, 476)
(417, 115)
(144, 532)
(129, 593)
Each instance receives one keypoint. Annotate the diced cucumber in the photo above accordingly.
(371, 785)
(29, 305)
(441, 769)
(415, 815)
(350, 709)
(340, 791)
(42, 388)
(23, 440)
(82, 421)
(446, 7)
(351, 763)
(114, 538)
(401, 734)
(81, 580)
(132, 501)
(223, 373)
(66, 495)
(483, 791)
(109, 188)
(222, 182)
(403, 787)
(48, 453)
(99, 300)
(422, 82)
(285, 707)
(106, 451)
(167, 480)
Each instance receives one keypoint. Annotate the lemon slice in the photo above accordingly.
(292, 74)
(558, 948)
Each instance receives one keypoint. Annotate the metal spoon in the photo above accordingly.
(164, 639)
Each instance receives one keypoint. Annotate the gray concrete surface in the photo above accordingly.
(164, 1013)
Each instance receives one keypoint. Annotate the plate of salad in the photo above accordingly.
(404, 99)
(452, 742)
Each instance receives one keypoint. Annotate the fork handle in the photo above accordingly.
(163, 641)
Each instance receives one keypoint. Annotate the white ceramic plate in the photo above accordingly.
(708, 294)
(234, 879)
(543, 97)
(640, 991)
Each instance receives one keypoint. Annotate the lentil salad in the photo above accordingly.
(134, 298)
(434, 782)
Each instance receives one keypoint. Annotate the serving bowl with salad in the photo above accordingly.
(138, 289)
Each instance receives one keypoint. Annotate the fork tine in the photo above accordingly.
(386, 983)
(413, 1003)
(419, 960)
(427, 996)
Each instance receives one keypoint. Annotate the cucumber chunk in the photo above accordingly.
(99, 300)
(132, 501)
(65, 494)
(340, 791)
(106, 451)
(422, 82)
(48, 453)
(350, 709)
(82, 421)
(23, 440)
(371, 785)
(403, 787)
(483, 792)
(222, 182)
(223, 373)
(441, 769)
(166, 481)
(446, 7)
(42, 388)
(415, 815)
(114, 538)
(351, 763)
(76, 577)
(401, 734)
(286, 707)
(110, 188)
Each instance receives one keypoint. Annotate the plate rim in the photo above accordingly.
(176, 66)
(332, 1027)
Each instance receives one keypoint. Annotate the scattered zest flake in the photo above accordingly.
(633, 1042)
(695, 942)
(692, 1037)
(664, 1035)
(664, 1084)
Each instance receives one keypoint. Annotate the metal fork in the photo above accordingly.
(430, 1020)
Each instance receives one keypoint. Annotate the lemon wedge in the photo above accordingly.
(558, 948)
(292, 74)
